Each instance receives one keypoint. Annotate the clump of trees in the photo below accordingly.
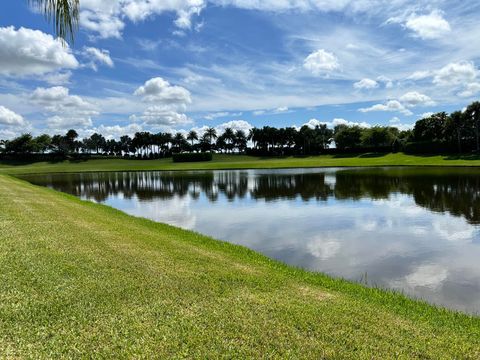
(456, 132)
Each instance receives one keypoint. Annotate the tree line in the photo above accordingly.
(141, 145)
(441, 132)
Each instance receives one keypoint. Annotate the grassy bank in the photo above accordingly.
(242, 162)
(80, 280)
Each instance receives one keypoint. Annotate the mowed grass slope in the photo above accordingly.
(79, 279)
(241, 162)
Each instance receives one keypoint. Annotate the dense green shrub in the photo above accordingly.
(427, 147)
(192, 157)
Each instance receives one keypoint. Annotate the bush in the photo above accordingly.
(192, 157)
(428, 147)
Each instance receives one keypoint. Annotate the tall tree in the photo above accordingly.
(473, 112)
(70, 139)
(323, 136)
(347, 137)
(229, 138)
(240, 140)
(379, 136)
(455, 125)
(125, 144)
(97, 142)
(192, 136)
(179, 142)
(211, 134)
(43, 143)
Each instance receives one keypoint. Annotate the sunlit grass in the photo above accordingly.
(243, 162)
(79, 279)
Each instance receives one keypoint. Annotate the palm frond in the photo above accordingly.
(63, 13)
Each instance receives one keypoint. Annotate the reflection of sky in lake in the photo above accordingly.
(394, 241)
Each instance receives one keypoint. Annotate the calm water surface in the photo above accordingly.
(410, 229)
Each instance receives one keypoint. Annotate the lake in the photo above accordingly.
(415, 230)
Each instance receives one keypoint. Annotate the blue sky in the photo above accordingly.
(174, 65)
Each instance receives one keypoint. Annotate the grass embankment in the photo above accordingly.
(79, 279)
(242, 162)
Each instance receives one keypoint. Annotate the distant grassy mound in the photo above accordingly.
(241, 162)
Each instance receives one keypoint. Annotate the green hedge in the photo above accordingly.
(192, 157)
(427, 147)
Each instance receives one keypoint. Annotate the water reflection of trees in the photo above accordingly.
(455, 192)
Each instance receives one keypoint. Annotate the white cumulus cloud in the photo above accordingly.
(160, 91)
(59, 123)
(471, 89)
(97, 56)
(431, 26)
(235, 125)
(10, 118)
(321, 62)
(107, 18)
(162, 116)
(67, 111)
(170, 101)
(414, 98)
(391, 105)
(366, 84)
(58, 99)
(25, 52)
(456, 74)
(113, 131)
(312, 123)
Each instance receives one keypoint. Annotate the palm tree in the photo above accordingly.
(42, 143)
(254, 135)
(221, 143)
(211, 134)
(179, 142)
(229, 138)
(98, 142)
(192, 136)
(63, 13)
(167, 140)
(240, 140)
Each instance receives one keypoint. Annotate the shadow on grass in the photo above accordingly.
(469, 157)
(372, 155)
(25, 162)
(345, 156)
(425, 155)
(17, 162)
(360, 156)
(273, 157)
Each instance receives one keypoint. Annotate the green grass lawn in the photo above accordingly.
(83, 280)
(242, 162)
